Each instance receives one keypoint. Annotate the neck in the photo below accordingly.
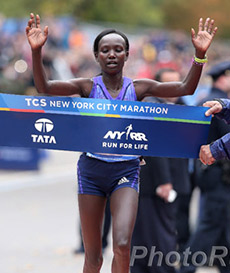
(113, 83)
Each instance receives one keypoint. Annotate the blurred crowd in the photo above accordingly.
(68, 53)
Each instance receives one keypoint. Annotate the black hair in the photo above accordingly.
(162, 71)
(216, 77)
(106, 32)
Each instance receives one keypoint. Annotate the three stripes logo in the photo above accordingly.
(123, 180)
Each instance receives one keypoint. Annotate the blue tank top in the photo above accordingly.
(127, 93)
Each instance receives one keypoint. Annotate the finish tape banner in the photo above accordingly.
(102, 126)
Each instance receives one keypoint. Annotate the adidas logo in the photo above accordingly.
(123, 180)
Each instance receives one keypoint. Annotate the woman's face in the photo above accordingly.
(111, 53)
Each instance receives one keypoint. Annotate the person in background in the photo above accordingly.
(214, 182)
(220, 148)
(163, 183)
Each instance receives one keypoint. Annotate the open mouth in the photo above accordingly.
(112, 64)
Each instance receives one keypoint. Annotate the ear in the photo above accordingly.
(126, 55)
(96, 56)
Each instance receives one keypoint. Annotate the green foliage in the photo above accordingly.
(172, 14)
(180, 14)
(142, 12)
(122, 11)
(18, 8)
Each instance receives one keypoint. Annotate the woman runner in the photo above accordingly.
(100, 176)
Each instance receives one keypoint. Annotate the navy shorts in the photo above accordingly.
(102, 178)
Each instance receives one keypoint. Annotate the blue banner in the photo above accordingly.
(102, 126)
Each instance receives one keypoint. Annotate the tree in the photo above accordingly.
(171, 14)
(142, 12)
(180, 14)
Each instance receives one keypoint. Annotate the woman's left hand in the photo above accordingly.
(204, 37)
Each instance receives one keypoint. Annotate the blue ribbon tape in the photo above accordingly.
(102, 126)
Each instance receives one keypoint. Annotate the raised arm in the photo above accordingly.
(37, 38)
(201, 41)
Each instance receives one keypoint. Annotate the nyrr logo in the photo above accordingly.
(43, 125)
(127, 134)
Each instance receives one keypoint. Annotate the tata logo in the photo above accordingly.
(128, 133)
(43, 125)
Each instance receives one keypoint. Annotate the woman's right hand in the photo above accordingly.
(36, 37)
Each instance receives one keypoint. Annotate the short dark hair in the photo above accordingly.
(106, 32)
(219, 69)
(159, 73)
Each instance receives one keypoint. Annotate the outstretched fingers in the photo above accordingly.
(193, 33)
(35, 23)
(206, 24)
(210, 26)
(214, 31)
(29, 26)
(32, 19)
(31, 23)
(38, 21)
(27, 30)
(200, 26)
(46, 31)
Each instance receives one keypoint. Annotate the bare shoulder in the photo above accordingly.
(144, 87)
(84, 85)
